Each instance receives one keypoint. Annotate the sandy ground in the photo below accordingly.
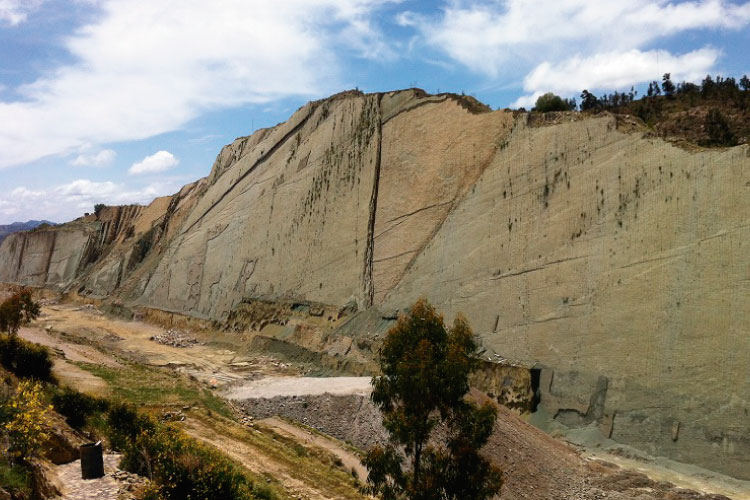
(83, 334)
(682, 475)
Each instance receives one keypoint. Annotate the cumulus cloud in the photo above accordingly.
(157, 162)
(68, 201)
(501, 39)
(612, 70)
(103, 158)
(14, 12)
(145, 68)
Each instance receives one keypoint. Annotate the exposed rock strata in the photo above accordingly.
(615, 263)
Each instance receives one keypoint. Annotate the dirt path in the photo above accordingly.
(349, 459)
(262, 460)
(72, 351)
(66, 372)
(113, 486)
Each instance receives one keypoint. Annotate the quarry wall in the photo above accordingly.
(614, 263)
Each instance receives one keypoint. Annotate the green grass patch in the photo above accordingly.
(15, 479)
(153, 386)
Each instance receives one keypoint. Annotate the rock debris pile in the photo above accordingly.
(175, 338)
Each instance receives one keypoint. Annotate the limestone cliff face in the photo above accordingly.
(615, 264)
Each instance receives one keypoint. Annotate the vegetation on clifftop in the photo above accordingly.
(714, 113)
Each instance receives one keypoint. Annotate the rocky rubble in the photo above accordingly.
(130, 483)
(175, 338)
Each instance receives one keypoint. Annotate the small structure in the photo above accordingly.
(92, 463)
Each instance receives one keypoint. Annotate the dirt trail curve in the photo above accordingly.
(259, 460)
(349, 459)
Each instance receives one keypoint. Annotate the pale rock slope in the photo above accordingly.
(615, 266)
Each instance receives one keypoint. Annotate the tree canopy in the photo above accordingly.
(423, 388)
(18, 310)
(552, 102)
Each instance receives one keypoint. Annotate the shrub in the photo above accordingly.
(180, 467)
(15, 479)
(25, 423)
(76, 407)
(25, 359)
(718, 131)
(124, 424)
(551, 102)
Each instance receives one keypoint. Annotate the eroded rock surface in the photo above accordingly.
(613, 263)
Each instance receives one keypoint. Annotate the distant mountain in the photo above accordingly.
(21, 226)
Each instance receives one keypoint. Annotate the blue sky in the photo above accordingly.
(119, 101)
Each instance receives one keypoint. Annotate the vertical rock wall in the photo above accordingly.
(602, 253)
(614, 263)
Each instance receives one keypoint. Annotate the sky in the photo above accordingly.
(121, 101)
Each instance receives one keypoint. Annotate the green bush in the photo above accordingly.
(124, 424)
(25, 359)
(718, 130)
(551, 102)
(77, 407)
(181, 467)
(18, 310)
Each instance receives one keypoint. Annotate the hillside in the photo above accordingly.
(15, 227)
(611, 263)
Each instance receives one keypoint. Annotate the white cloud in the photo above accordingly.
(505, 39)
(613, 70)
(25, 194)
(157, 162)
(14, 12)
(145, 68)
(73, 199)
(103, 158)
(487, 36)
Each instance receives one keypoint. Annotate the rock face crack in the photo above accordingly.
(49, 257)
(368, 285)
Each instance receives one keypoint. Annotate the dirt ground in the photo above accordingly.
(536, 465)
(309, 437)
(85, 334)
(261, 455)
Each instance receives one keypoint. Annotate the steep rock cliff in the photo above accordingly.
(613, 263)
